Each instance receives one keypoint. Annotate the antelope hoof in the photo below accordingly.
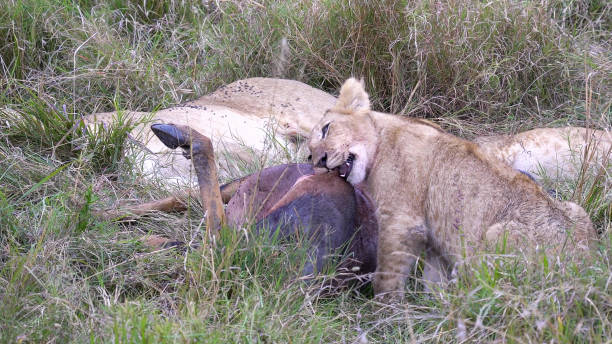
(173, 137)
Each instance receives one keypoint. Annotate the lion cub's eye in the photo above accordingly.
(324, 130)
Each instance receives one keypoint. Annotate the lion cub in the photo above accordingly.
(436, 194)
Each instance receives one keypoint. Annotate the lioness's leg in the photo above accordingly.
(400, 243)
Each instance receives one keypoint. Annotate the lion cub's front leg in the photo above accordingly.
(401, 240)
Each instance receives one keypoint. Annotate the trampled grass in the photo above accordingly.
(475, 67)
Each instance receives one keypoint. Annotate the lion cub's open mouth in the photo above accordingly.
(345, 169)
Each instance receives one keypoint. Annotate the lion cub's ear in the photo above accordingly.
(353, 97)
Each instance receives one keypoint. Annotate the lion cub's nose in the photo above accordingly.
(322, 162)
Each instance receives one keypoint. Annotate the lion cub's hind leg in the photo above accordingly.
(510, 229)
(570, 238)
(515, 235)
(577, 214)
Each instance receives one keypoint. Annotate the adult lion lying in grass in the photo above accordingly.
(257, 116)
(247, 121)
(436, 194)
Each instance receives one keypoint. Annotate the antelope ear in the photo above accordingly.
(353, 97)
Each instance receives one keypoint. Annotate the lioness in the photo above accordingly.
(436, 194)
(247, 121)
(263, 117)
(556, 153)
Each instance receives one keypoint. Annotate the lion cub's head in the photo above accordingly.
(345, 139)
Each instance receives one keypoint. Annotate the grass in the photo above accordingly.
(474, 67)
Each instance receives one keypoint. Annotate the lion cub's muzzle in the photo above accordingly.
(343, 170)
(322, 163)
(319, 166)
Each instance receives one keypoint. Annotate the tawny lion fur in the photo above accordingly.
(240, 117)
(436, 194)
(249, 121)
